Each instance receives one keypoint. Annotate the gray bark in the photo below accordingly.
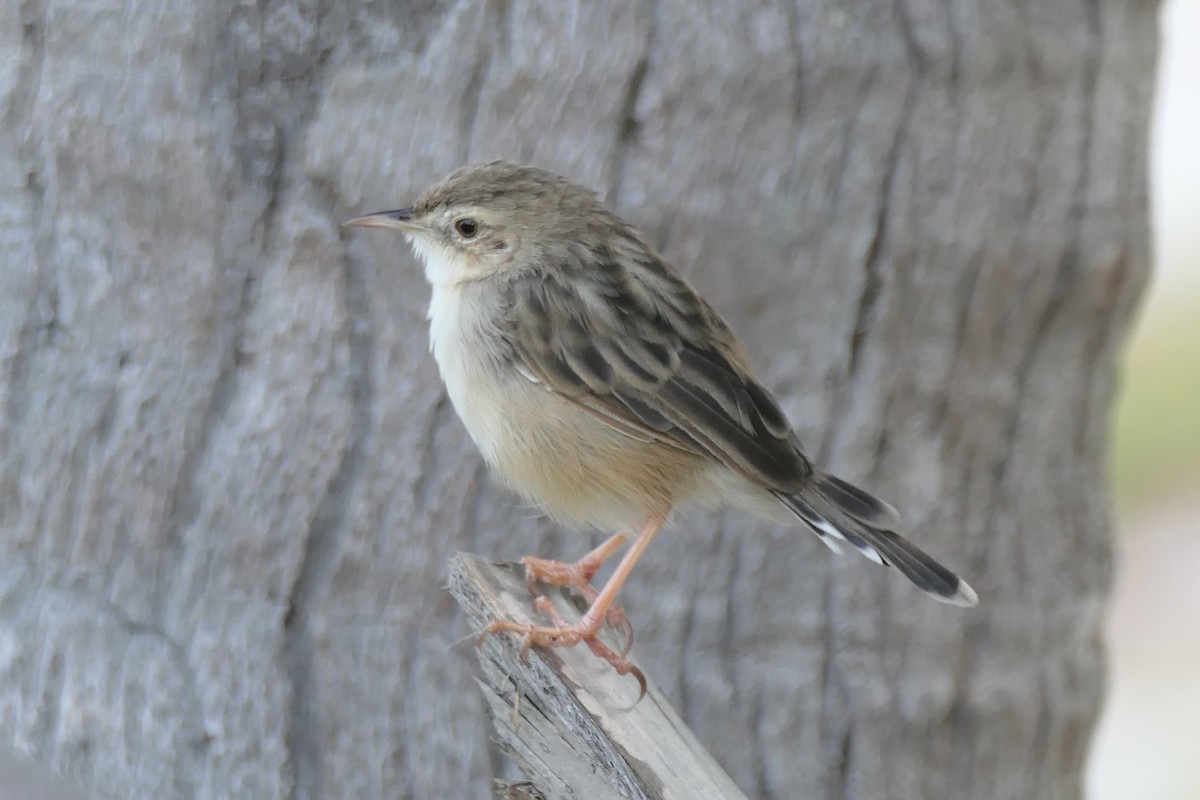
(230, 481)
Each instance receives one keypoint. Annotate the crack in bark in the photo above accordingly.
(628, 125)
(686, 636)
(913, 49)
(845, 759)
(954, 35)
(798, 94)
(51, 682)
(761, 783)
(289, 121)
(964, 299)
(865, 318)
(838, 174)
(872, 263)
(1045, 127)
(183, 500)
(726, 645)
(1039, 742)
(29, 71)
(829, 675)
(872, 285)
(20, 366)
(428, 475)
(883, 443)
(200, 739)
(183, 506)
(1057, 300)
(319, 557)
(1068, 265)
(24, 101)
(471, 516)
(1098, 351)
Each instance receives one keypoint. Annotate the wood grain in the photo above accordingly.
(573, 725)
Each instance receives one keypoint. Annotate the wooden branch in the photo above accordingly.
(571, 724)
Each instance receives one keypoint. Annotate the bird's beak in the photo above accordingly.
(399, 220)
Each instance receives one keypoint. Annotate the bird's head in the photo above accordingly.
(495, 218)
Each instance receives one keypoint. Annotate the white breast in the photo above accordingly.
(455, 340)
(550, 450)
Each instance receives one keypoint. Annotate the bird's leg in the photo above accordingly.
(618, 660)
(577, 577)
(572, 575)
(586, 630)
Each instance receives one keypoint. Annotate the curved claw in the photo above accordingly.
(601, 609)
(523, 650)
(576, 578)
(494, 627)
(641, 679)
(620, 623)
(622, 665)
(531, 578)
(564, 634)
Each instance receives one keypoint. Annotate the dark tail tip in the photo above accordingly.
(916, 565)
(838, 511)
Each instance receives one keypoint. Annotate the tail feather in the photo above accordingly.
(839, 512)
(922, 570)
(864, 507)
(826, 531)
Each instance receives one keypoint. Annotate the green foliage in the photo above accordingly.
(1158, 413)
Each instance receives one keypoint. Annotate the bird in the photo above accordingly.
(598, 384)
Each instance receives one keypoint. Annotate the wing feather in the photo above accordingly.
(654, 361)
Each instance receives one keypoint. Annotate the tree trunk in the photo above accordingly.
(231, 481)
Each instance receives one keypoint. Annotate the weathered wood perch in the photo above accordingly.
(568, 720)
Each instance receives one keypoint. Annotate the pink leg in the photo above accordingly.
(586, 630)
(577, 577)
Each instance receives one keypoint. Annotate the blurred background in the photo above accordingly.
(1149, 738)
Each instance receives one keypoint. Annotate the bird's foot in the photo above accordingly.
(577, 577)
(565, 634)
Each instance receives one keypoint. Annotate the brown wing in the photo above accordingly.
(645, 354)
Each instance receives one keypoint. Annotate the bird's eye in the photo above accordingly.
(466, 227)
